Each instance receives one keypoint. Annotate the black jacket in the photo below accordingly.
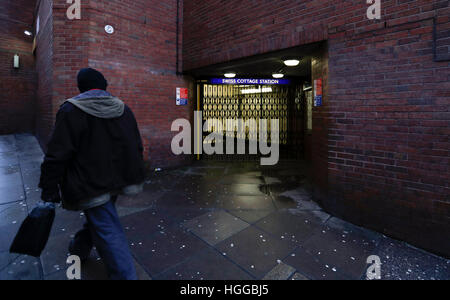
(89, 156)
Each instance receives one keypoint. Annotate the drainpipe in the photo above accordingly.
(178, 40)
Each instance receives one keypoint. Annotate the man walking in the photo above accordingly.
(95, 154)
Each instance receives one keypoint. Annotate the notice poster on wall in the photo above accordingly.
(182, 96)
(309, 107)
(318, 93)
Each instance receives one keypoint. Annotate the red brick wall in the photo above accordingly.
(389, 132)
(17, 86)
(44, 68)
(380, 142)
(139, 61)
(62, 49)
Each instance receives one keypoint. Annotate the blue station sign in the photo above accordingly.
(250, 81)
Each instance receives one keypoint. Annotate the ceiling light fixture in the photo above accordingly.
(292, 62)
(230, 75)
(278, 75)
(27, 33)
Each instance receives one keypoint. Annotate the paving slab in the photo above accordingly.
(242, 179)
(10, 176)
(8, 159)
(31, 180)
(242, 202)
(346, 251)
(22, 268)
(244, 189)
(281, 272)
(216, 226)
(312, 267)
(165, 249)
(30, 166)
(31, 159)
(255, 251)
(54, 256)
(127, 211)
(13, 213)
(7, 143)
(251, 216)
(175, 199)
(206, 265)
(296, 227)
(164, 180)
(67, 222)
(146, 199)
(32, 198)
(287, 184)
(282, 202)
(206, 201)
(6, 259)
(145, 223)
(58, 276)
(25, 141)
(298, 276)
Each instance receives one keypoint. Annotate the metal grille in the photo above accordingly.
(227, 102)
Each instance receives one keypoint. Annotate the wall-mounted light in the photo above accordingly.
(109, 29)
(292, 62)
(230, 75)
(278, 75)
(28, 33)
(16, 61)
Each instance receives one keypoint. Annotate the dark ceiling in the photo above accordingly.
(264, 65)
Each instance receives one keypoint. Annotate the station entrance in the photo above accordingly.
(255, 93)
(285, 102)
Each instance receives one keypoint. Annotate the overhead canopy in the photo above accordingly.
(263, 65)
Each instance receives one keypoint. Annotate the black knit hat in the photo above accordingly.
(89, 79)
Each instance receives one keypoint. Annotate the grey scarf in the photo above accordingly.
(100, 104)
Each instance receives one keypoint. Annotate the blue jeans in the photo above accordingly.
(103, 229)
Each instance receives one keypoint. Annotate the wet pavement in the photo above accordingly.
(210, 220)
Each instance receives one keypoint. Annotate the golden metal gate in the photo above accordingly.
(232, 102)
